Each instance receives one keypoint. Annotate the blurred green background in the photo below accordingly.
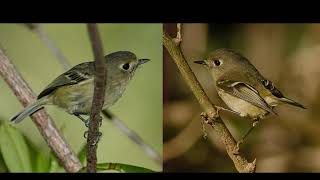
(140, 107)
(286, 54)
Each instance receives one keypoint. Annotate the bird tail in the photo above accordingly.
(292, 102)
(29, 110)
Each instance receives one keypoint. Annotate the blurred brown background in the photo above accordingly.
(288, 55)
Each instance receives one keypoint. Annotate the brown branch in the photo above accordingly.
(98, 97)
(173, 47)
(41, 119)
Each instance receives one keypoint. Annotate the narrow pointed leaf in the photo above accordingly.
(14, 149)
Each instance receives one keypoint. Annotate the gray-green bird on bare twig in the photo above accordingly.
(242, 87)
(73, 90)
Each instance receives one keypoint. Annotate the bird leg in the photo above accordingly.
(207, 120)
(254, 124)
(225, 109)
(85, 121)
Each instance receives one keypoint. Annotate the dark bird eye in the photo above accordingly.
(217, 62)
(126, 66)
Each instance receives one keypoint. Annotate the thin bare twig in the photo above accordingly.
(42, 120)
(178, 38)
(134, 137)
(240, 162)
(98, 97)
(37, 28)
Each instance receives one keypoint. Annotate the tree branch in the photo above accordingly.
(41, 119)
(173, 47)
(98, 97)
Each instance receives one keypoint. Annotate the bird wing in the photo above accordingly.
(75, 75)
(245, 92)
(274, 91)
(269, 85)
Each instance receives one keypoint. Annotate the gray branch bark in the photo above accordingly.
(42, 120)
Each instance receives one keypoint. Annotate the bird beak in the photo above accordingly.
(142, 61)
(200, 62)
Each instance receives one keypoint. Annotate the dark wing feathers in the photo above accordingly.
(73, 76)
(245, 92)
(269, 85)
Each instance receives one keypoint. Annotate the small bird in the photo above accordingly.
(73, 90)
(240, 85)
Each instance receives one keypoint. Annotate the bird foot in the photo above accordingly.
(205, 120)
(95, 142)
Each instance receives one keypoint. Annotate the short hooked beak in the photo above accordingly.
(142, 61)
(200, 62)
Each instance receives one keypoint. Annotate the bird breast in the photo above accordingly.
(243, 107)
(78, 98)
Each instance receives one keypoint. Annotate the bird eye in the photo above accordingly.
(126, 66)
(217, 62)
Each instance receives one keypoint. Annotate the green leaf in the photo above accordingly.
(42, 163)
(14, 149)
(124, 168)
(3, 167)
(54, 164)
(34, 151)
(82, 154)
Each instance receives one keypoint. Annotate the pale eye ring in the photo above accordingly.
(217, 62)
(126, 66)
